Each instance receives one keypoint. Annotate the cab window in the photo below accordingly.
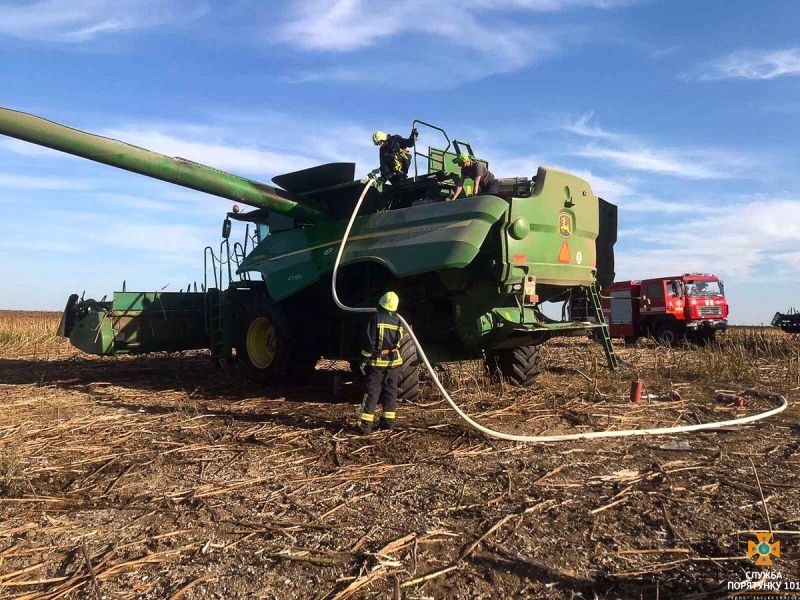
(655, 291)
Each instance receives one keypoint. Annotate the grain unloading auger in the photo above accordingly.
(472, 274)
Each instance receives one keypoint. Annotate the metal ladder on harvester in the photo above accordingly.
(603, 335)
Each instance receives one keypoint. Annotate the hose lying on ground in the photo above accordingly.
(532, 438)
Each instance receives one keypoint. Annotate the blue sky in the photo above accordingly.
(684, 113)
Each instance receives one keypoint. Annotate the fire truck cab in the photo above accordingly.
(690, 306)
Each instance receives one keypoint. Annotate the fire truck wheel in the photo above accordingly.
(266, 346)
(669, 335)
(408, 384)
(519, 366)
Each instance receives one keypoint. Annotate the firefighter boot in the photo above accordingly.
(388, 420)
(366, 423)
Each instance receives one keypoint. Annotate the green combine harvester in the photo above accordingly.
(472, 273)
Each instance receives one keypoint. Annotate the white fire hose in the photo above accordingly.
(531, 438)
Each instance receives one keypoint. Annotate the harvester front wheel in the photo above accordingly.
(519, 366)
(266, 346)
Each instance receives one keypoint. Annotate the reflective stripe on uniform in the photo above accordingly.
(382, 362)
(390, 414)
(368, 417)
(383, 357)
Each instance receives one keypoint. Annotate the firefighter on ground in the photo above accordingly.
(380, 363)
(485, 182)
(394, 155)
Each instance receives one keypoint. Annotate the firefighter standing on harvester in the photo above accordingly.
(485, 182)
(393, 153)
(380, 363)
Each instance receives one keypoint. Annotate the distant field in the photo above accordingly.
(160, 477)
(30, 332)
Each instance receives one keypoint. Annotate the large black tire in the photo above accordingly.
(669, 334)
(519, 366)
(408, 384)
(266, 345)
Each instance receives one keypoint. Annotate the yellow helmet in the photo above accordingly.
(462, 158)
(389, 301)
(379, 136)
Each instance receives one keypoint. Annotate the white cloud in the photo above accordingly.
(752, 64)
(630, 153)
(345, 25)
(744, 241)
(77, 21)
(28, 245)
(212, 152)
(688, 164)
(492, 34)
(583, 127)
(652, 205)
(26, 148)
(22, 182)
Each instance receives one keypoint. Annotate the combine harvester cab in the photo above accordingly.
(472, 274)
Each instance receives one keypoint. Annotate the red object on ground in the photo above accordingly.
(636, 391)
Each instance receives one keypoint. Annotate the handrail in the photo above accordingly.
(424, 124)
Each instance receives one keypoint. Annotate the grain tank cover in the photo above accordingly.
(315, 178)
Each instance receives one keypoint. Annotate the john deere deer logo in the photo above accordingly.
(565, 225)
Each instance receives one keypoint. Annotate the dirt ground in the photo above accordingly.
(161, 477)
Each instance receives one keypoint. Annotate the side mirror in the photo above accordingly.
(226, 228)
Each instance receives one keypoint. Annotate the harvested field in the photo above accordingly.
(159, 477)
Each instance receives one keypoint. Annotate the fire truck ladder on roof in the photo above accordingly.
(603, 335)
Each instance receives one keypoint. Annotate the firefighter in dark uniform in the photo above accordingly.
(393, 153)
(380, 363)
(485, 182)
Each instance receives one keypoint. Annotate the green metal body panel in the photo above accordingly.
(408, 242)
(173, 170)
(140, 322)
(558, 247)
(94, 335)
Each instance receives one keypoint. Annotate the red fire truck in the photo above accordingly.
(691, 306)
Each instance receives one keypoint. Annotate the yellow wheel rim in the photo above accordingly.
(262, 343)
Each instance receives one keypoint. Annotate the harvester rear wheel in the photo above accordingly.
(519, 366)
(266, 345)
(408, 384)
